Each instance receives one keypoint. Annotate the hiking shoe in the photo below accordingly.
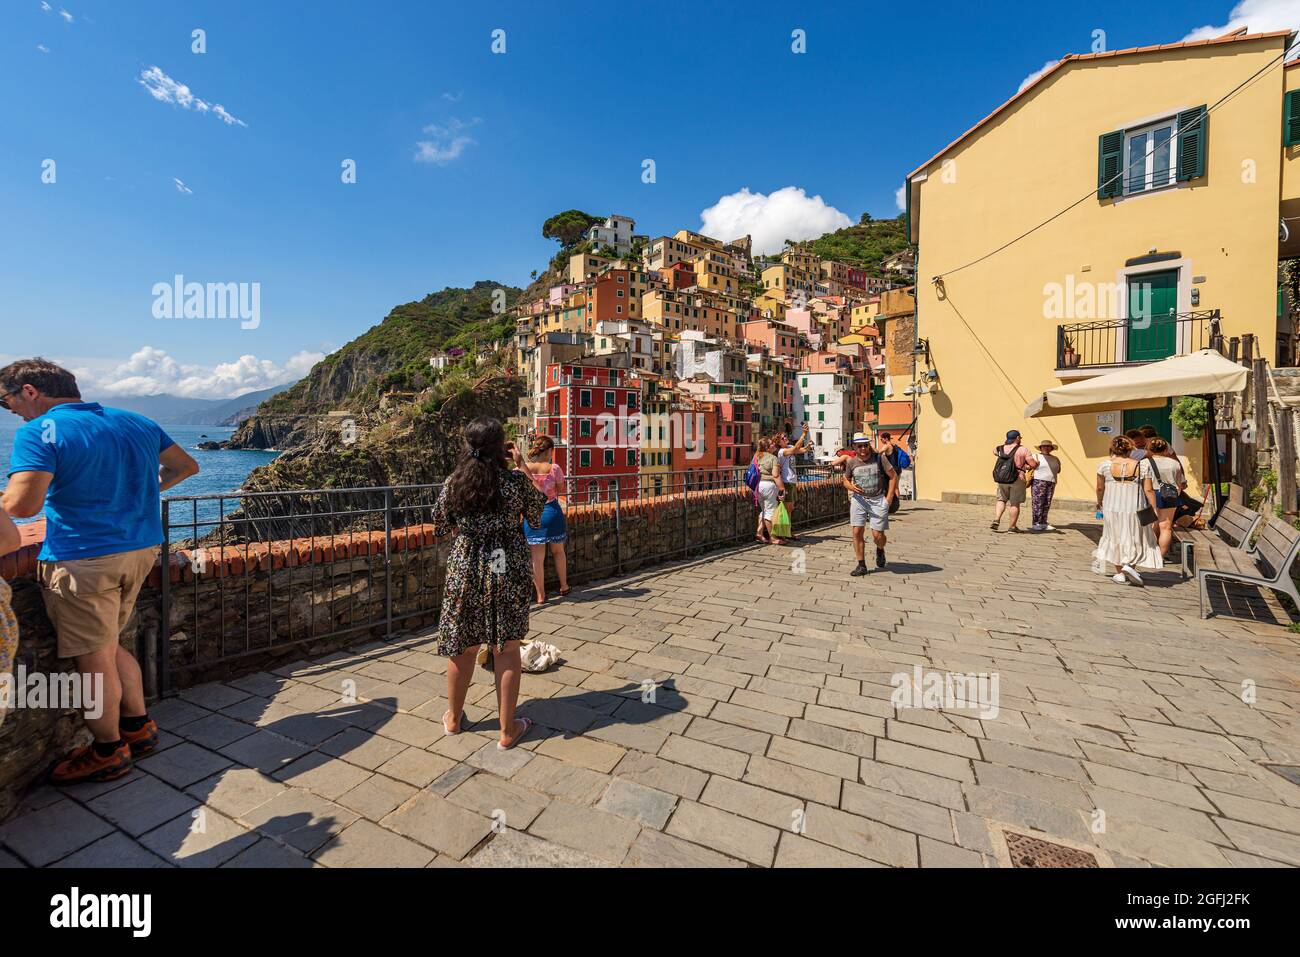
(84, 765)
(861, 569)
(142, 742)
(880, 558)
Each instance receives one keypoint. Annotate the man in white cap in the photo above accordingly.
(871, 481)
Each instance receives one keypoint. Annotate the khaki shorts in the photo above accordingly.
(1012, 494)
(90, 599)
(873, 511)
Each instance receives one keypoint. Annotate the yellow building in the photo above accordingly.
(1137, 223)
(681, 247)
(792, 279)
(678, 310)
(571, 315)
(715, 272)
(656, 449)
(771, 301)
(864, 314)
(585, 266)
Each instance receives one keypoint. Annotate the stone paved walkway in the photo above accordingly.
(771, 739)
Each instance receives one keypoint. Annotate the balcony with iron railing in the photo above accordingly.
(1090, 348)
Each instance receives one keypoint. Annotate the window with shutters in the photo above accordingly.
(1291, 118)
(1158, 154)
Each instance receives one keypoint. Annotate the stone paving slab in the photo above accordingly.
(734, 712)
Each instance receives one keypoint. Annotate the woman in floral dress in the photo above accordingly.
(489, 583)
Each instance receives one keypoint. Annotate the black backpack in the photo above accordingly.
(1005, 472)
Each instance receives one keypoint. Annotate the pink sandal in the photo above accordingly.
(528, 724)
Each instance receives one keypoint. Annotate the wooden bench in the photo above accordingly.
(1269, 564)
(1235, 526)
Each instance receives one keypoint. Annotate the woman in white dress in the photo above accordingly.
(1123, 489)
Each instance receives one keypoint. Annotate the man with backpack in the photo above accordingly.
(899, 459)
(871, 482)
(1009, 476)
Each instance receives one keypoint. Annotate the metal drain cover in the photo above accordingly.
(1029, 851)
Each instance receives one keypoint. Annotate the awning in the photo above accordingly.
(1143, 387)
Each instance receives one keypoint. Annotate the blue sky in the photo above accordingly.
(712, 92)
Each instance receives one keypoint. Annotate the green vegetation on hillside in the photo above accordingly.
(863, 245)
(394, 355)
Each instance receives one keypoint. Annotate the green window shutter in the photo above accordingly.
(1291, 118)
(1110, 158)
(907, 209)
(1193, 138)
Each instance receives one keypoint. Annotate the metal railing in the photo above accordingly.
(1131, 341)
(251, 576)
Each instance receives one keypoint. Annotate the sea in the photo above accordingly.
(219, 471)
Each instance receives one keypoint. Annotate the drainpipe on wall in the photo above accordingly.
(916, 334)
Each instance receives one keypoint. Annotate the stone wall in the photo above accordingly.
(250, 606)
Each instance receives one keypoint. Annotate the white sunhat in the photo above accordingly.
(861, 437)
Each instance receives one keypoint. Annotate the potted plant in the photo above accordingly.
(1069, 358)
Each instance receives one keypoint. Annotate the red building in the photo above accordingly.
(587, 410)
(734, 433)
(679, 276)
(694, 445)
(857, 278)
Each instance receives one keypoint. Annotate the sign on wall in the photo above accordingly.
(1107, 422)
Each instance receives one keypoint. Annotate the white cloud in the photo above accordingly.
(787, 213)
(46, 7)
(445, 143)
(900, 197)
(67, 17)
(43, 48)
(181, 187)
(1261, 16)
(1036, 74)
(452, 97)
(150, 371)
(166, 90)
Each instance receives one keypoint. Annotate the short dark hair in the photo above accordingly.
(1149, 431)
(44, 376)
(885, 435)
(1133, 433)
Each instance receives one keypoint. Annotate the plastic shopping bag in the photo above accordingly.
(781, 522)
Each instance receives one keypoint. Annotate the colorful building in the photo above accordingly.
(591, 412)
(1147, 220)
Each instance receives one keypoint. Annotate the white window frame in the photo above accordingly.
(1149, 171)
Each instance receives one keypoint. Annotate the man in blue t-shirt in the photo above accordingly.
(98, 473)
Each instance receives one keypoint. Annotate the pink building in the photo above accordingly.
(779, 338)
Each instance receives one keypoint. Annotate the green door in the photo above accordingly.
(1152, 329)
(1159, 419)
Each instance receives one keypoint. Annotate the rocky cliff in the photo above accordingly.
(415, 443)
(392, 356)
